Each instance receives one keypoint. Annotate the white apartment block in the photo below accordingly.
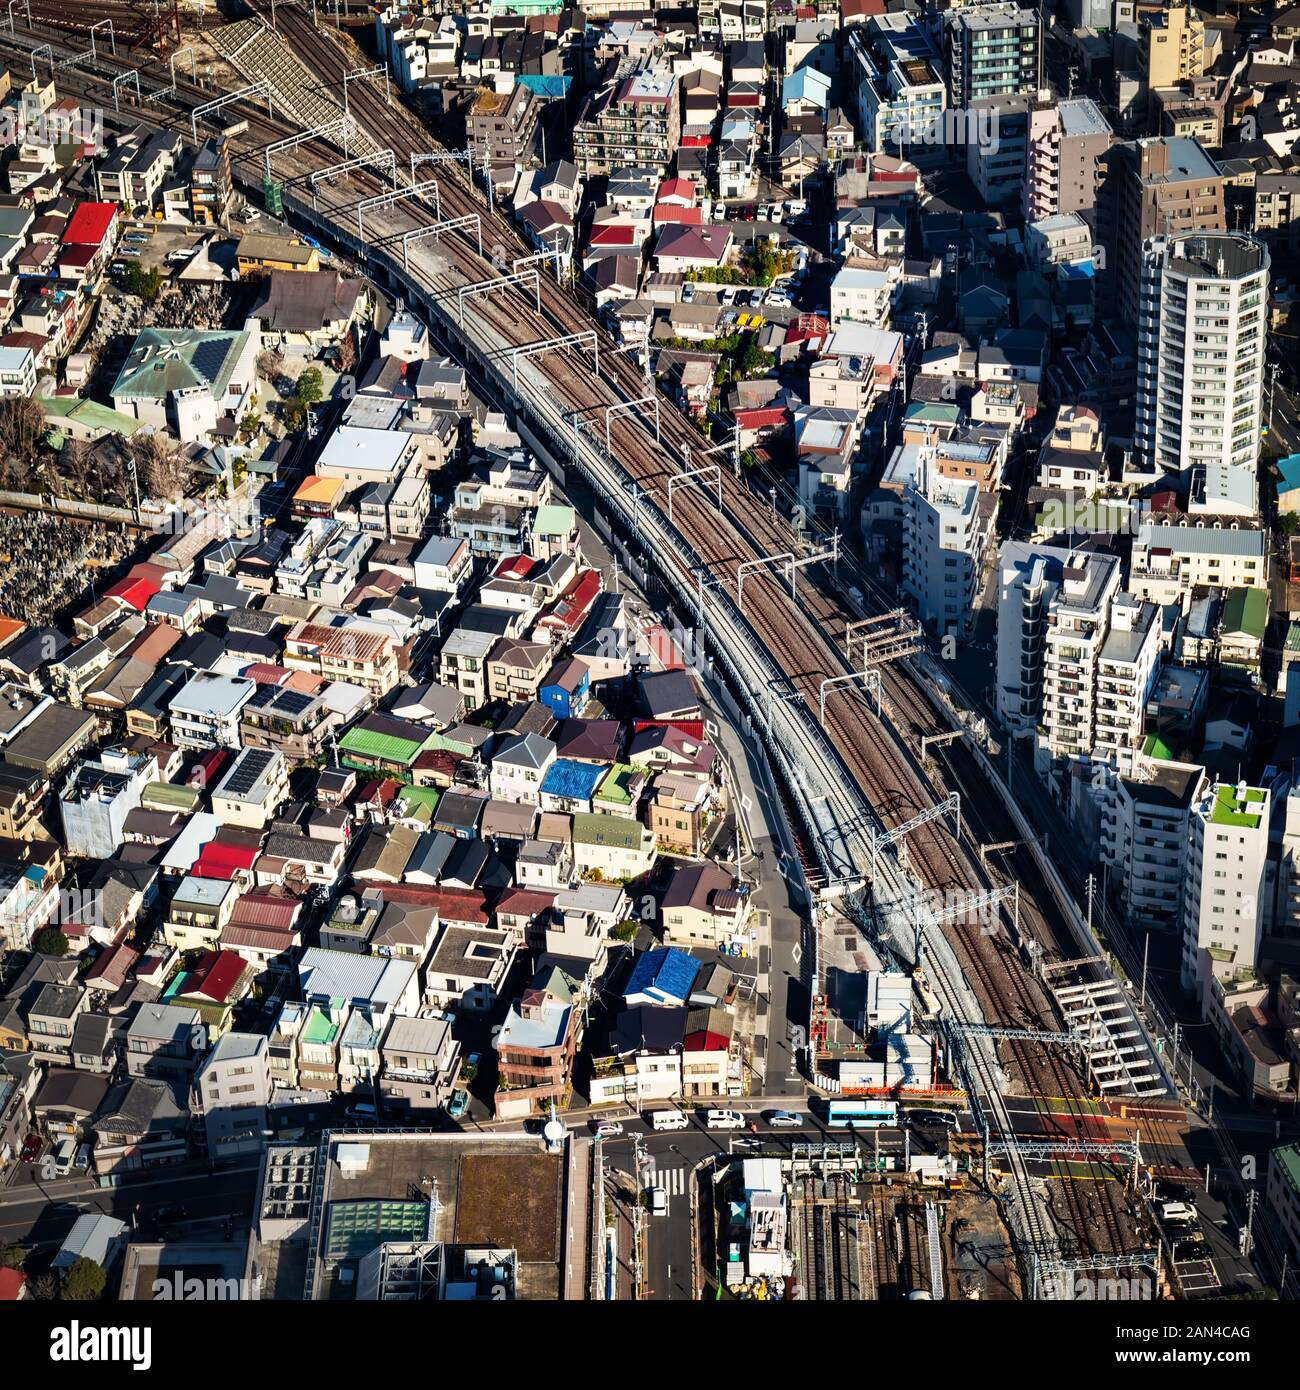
(1127, 669)
(1074, 635)
(1144, 825)
(944, 534)
(1202, 321)
(1063, 239)
(1169, 561)
(1223, 887)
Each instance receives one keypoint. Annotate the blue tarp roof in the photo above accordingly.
(1289, 468)
(573, 779)
(664, 973)
(544, 84)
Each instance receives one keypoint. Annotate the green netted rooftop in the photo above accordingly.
(1233, 808)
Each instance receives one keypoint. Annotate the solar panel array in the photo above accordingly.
(252, 763)
(208, 358)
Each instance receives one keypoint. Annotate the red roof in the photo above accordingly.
(453, 904)
(114, 964)
(760, 416)
(613, 234)
(265, 674)
(267, 911)
(221, 861)
(11, 1284)
(514, 567)
(135, 593)
(692, 728)
(704, 1041)
(216, 974)
(682, 189)
(573, 606)
(525, 901)
(697, 142)
(663, 649)
(89, 224)
(670, 214)
(207, 771)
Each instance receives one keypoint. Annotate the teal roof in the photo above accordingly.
(163, 360)
(1289, 468)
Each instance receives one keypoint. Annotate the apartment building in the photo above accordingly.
(1223, 892)
(500, 125)
(1169, 561)
(897, 80)
(1066, 144)
(1144, 832)
(632, 121)
(990, 50)
(97, 798)
(165, 1042)
(1161, 186)
(537, 1043)
(199, 910)
(1074, 634)
(1201, 340)
(1171, 46)
(205, 712)
(211, 184)
(419, 1064)
(359, 655)
(1126, 671)
(945, 528)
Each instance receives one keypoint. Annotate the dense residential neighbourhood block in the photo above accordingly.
(650, 652)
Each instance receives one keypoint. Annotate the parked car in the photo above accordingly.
(779, 297)
(719, 213)
(362, 1112)
(658, 1201)
(33, 1147)
(796, 207)
(459, 1104)
(688, 291)
(930, 1119)
(755, 298)
(607, 1129)
(131, 250)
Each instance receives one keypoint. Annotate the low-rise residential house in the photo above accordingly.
(536, 1045)
(703, 906)
(419, 1064)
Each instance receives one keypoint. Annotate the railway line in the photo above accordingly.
(801, 636)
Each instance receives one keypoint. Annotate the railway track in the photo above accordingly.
(801, 636)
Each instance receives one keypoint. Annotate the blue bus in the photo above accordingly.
(861, 1114)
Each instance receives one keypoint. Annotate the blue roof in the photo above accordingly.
(1289, 468)
(575, 780)
(806, 85)
(665, 973)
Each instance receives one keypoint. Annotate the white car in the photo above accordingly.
(784, 1119)
(779, 298)
(719, 213)
(658, 1201)
(688, 291)
(609, 1129)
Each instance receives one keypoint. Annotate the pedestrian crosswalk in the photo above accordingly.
(672, 1180)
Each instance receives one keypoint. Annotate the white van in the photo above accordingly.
(724, 1119)
(64, 1156)
(1177, 1213)
(668, 1119)
(658, 1202)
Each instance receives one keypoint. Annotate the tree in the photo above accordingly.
(84, 1282)
(12, 1256)
(75, 464)
(160, 464)
(144, 284)
(310, 387)
(295, 413)
(347, 352)
(22, 432)
(50, 941)
(270, 365)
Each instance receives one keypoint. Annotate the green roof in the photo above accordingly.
(388, 748)
(419, 796)
(616, 787)
(553, 520)
(90, 415)
(1287, 1159)
(1156, 747)
(590, 828)
(1246, 610)
(171, 796)
(1292, 643)
(320, 1028)
(1226, 804)
(163, 360)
